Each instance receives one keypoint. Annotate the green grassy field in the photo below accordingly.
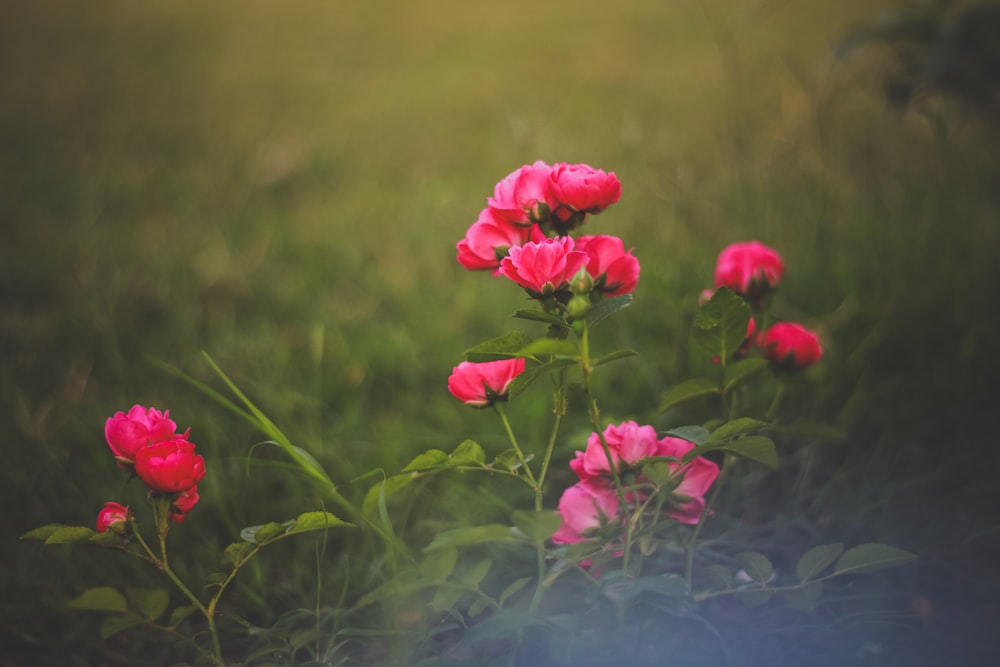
(282, 187)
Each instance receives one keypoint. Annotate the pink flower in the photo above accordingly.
(750, 269)
(525, 195)
(584, 506)
(614, 270)
(790, 346)
(543, 267)
(583, 188)
(486, 242)
(482, 383)
(113, 517)
(627, 442)
(169, 467)
(183, 503)
(127, 433)
(698, 477)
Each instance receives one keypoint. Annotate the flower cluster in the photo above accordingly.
(753, 270)
(594, 501)
(524, 233)
(145, 442)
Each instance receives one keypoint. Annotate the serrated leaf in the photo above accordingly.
(180, 613)
(756, 565)
(502, 347)
(309, 521)
(537, 526)
(235, 552)
(100, 598)
(468, 452)
(513, 588)
(735, 427)
(432, 458)
(806, 596)
(43, 532)
(817, 559)
(262, 533)
(119, 622)
(149, 602)
(541, 316)
(457, 537)
(560, 347)
(720, 325)
(742, 371)
(607, 307)
(688, 390)
(871, 556)
(614, 356)
(696, 434)
(507, 460)
(70, 535)
(756, 448)
(657, 473)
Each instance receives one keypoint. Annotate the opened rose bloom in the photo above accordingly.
(169, 467)
(583, 507)
(614, 270)
(790, 346)
(482, 383)
(583, 188)
(543, 267)
(524, 196)
(698, 477)
(113, 517)
(628, 443)
(750, 269)
(140, 427)
(489, 238)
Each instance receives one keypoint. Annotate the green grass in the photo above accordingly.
(283, 188)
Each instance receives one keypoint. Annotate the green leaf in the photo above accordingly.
(70, 535)
(468, 452)
(101, 598)
(119, 622)
(471, 577)
(738, 426)
(180, 613)
(696, 434)
(614, 356)
(720, 326)
(817, 559)
(262, 533)
(524, 380)
(543, 347)
(429, 460)
(502, 347)
(445, 598)
(457, 537)
(309, 521)
(756, 448)
(608, 307)
(108, 540)
(149, 602)
(688, 390)
(235, 552)
(439, 565)
(756, 565)
(537, 526)
(741, 372)
(389, 487)
(806, 596)
(44, 532)
(657, 473)
(871, 556)
(541, 316)
(502, 625)
(624, 588)
(513, 588)
(720, 575)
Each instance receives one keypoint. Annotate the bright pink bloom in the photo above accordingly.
(127, 433)
(583, 507)
(698, 477)
(169, 467)
(583, 188)
(113, 517)
(183, 503)
(627, 442)
(482, 383)
(790, 346)
(750, 269)
(525, 195)
(543, 267)
(489, 238)
(614, 270)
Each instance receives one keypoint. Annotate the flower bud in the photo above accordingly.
(578, 306)
(113, 517)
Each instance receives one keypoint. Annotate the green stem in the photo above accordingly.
(727, 463)
(517, 448)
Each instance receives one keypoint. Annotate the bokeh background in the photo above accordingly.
(281, 186)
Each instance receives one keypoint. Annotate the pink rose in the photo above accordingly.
(790, 346)
(583, 188)
(614, 270)
(169, 467)
(698, 477)
(183, 503)
(627, 442)
(525, 195)
(127, 433)
(113, 517)
(750, 269)
(543, 267)
(486, 242)
(584, 506)
(482, 383)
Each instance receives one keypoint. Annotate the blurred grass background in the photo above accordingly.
(282, 186)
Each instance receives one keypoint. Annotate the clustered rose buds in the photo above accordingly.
(593, 501)
(524, 234)
(145, 441)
